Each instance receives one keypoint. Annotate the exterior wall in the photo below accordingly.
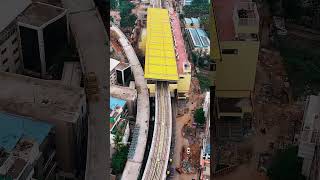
(235, 74)
(151, 87)
(183, 85)
(113, 77)
(10, 59)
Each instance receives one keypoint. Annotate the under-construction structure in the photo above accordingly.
(234, 51)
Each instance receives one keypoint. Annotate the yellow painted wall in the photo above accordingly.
(184, 83)
(142, 42)
(237, 72)
(248, 29)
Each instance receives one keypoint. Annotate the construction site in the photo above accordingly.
(245, 149)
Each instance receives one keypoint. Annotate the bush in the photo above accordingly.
(119, 160)
(199, 116)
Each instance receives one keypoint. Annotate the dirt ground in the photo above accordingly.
(195, 100)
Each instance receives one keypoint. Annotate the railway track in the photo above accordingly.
(159, 153)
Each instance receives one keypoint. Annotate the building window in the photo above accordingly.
(229, 51)
(4, 50)
(5, 61)
(15, 51)
(212, 67)
(16, 60)
(14, 40)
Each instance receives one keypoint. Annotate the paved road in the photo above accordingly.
(134, 162)
(93, 52)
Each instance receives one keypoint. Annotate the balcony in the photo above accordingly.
(246, 17)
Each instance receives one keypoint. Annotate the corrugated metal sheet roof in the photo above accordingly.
(13, 127)
(10, 9)
(160, 61)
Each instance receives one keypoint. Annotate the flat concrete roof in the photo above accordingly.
(113, 63)
(224, 18)
(122, 66)
(39, 99)
(10, 9)
(38, 14)
(122, 92)
(71, 74)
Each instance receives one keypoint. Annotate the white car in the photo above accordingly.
(188, 151)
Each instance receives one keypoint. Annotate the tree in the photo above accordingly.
(114, 4)
(286, 165)
(119, 159)
(118, 141)
(128, 21)
(199, 116)
(196, 10)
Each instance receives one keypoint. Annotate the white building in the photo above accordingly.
(10, 47)
(113, 75)
(309, 148)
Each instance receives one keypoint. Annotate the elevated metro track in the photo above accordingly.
(140, 134)
(158, 157)
(160, 148)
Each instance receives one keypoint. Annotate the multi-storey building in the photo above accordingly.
(44, 32)
(198, 41)
(63, 106)
(309, 146)
(26, 148)
(120, 73)
(10, 48)
(234, 51)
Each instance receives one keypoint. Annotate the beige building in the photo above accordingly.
(10, 48)
(235, 53)
(55, 103)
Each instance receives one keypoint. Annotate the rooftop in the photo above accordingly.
(160, 61)
(246, 14)
(10, 9)
(122, 66)
(37, 14)
(188, 21)
(113, 64)
(39, 99)
(116, 102)
(199, 37)
(124, 93)
(182, 57)
(224, 18)
(71, 75)
(13, 128)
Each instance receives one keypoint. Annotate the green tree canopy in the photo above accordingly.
(119, 159)
(199, 116)
(196, 9)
